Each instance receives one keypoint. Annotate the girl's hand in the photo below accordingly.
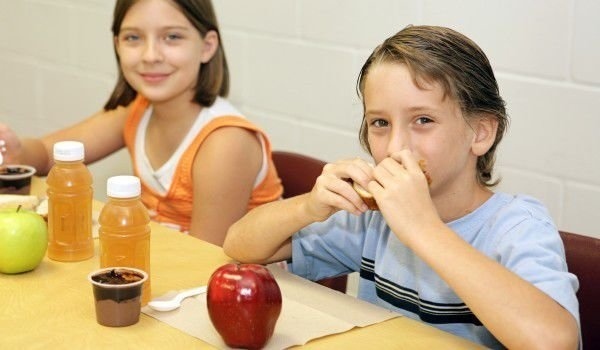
(333, 188)
(10, 145)
(402, 193)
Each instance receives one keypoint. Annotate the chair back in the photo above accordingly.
(583, 260)
(298, 174)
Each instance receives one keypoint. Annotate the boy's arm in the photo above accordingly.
(264, 234)
(518, 314)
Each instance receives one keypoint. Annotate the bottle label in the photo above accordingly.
(70, 227)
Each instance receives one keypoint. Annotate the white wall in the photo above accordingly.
(294, 66)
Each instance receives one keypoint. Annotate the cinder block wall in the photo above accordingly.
(294, 66)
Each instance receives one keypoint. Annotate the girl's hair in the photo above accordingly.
(213, 76)
(444, 56)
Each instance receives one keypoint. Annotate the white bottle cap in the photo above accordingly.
(68, 151)
(123, 186)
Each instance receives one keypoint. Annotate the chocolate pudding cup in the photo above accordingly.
(117, 295)
(16, 179)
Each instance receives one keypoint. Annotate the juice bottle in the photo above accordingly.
(124, 228)
(69, 204)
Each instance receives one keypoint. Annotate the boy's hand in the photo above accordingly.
(402, 192)
(333, 189)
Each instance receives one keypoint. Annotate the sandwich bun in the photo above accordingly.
(13, 201)
(367, 197)
(27, 202)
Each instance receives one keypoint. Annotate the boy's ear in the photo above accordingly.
(484, 128)
(210, 46)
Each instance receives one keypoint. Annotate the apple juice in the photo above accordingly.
(69, 205)
(124, 229)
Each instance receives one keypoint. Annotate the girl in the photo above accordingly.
(482, 265)
(202, 164)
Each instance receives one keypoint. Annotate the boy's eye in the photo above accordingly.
(173, 37)
(423, 120)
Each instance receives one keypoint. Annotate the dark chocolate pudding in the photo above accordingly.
(117, 297)
(15, 179)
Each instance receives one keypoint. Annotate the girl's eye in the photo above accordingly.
(379, 123)
(130, 38)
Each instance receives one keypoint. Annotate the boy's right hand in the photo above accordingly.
(11, 146)
(333, 189)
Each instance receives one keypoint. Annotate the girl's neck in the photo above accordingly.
(177, 110)
(170, 123)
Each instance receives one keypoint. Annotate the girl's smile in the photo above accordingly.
(154, 78)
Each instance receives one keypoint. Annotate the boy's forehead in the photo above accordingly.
(404, 82)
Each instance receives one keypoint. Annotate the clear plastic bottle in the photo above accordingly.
(69, 204)
(124, 228)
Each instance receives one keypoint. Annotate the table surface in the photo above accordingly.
(52, 306)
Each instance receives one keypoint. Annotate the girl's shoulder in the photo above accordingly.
(222, 107)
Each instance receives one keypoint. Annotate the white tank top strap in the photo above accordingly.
(160, 179)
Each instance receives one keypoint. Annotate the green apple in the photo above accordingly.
(23, 240)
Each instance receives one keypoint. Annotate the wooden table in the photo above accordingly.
(52, 307)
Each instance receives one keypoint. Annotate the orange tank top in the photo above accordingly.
(175, 207)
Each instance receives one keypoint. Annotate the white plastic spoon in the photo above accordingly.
(172, 301)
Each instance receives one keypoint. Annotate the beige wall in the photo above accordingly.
(294, 66)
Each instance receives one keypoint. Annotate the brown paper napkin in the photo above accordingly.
(309, 311)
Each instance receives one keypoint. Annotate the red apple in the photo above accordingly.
(244, 303)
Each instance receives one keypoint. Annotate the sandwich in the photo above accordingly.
(367, 197)
(13, 201)
(26, 202)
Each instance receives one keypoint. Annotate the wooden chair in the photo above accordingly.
(583, 260)
(298, 174)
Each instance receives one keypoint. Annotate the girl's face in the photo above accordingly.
(400, 115)
(160, 51)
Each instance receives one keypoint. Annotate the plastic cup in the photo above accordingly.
(16, 179)
(117, 295)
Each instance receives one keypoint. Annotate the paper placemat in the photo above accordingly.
(309, 311)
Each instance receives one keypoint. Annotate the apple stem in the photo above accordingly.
(19, 207)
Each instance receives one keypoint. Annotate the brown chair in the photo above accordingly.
(298, 174)
(583, 260)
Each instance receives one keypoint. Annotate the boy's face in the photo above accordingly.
(401, 115)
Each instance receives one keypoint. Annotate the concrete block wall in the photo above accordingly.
(294, 66)
(57, 67)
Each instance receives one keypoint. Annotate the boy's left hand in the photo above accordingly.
(402, 193)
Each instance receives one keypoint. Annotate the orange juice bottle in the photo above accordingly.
(69, 204)
(124, 228)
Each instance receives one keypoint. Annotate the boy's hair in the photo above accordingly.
(444, 56)
(213, 76)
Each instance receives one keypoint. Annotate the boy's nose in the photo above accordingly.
(398, 141)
